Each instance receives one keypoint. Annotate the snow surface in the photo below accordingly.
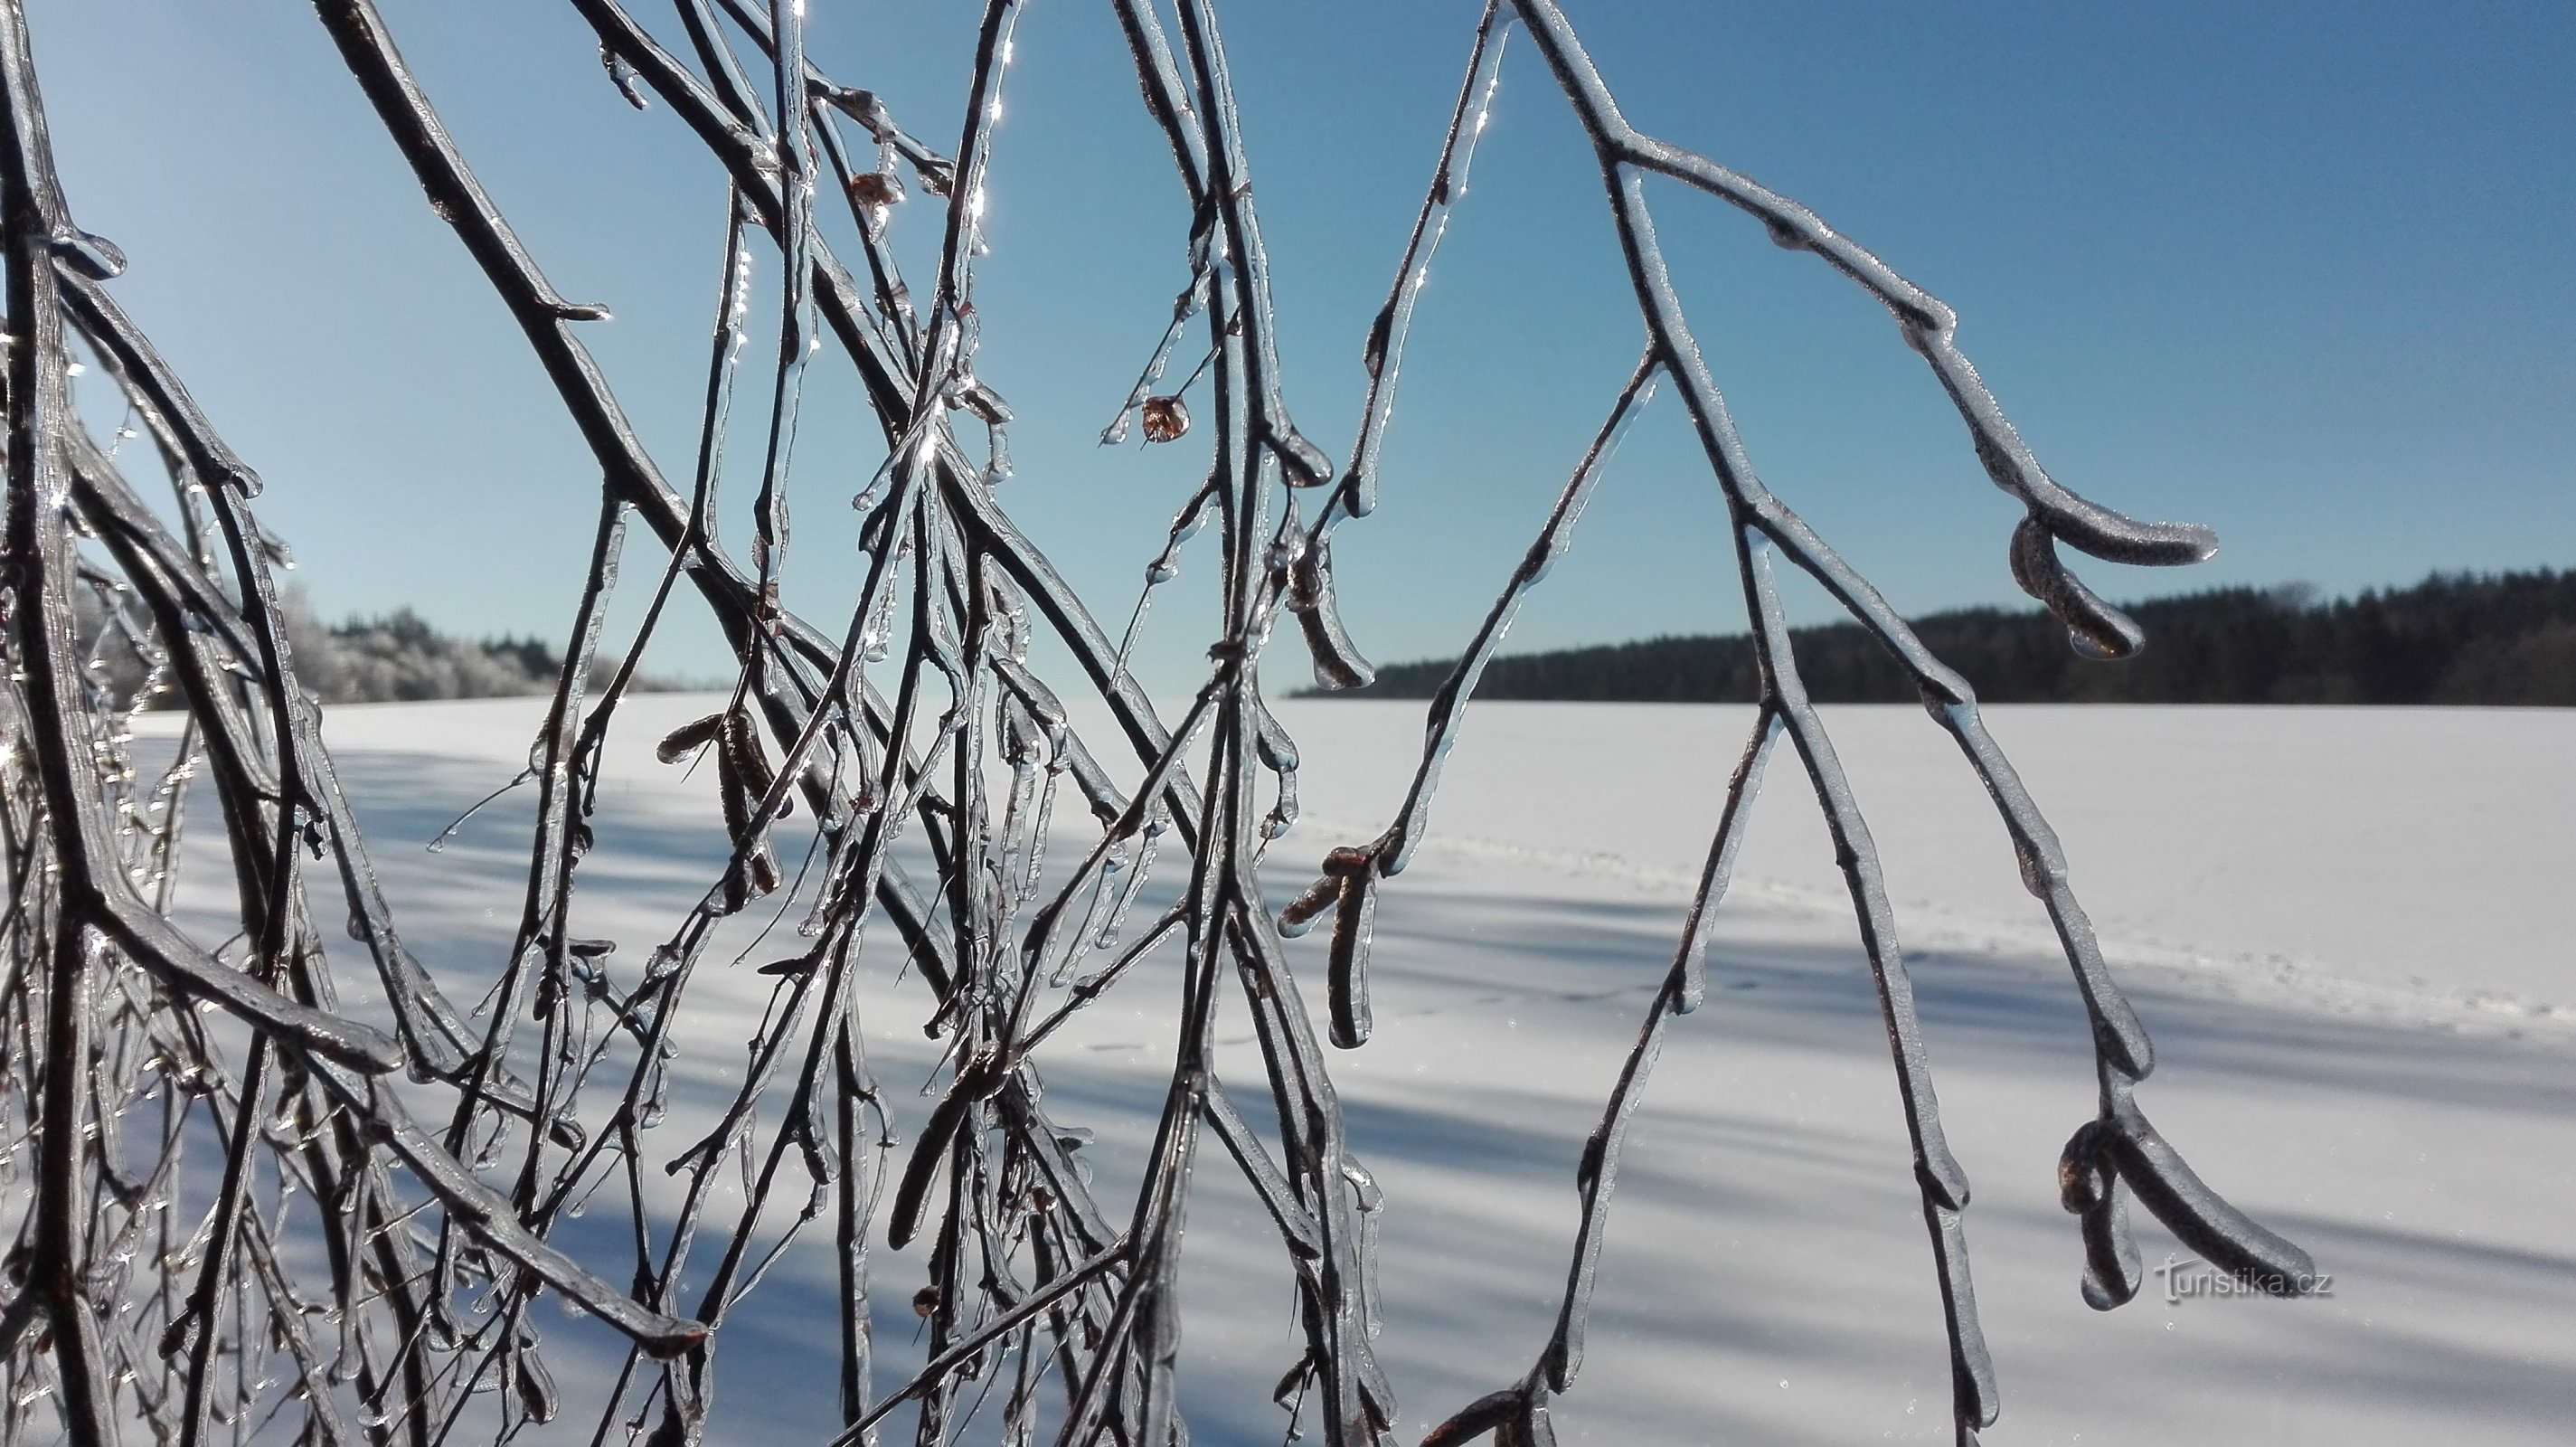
(2343, 928)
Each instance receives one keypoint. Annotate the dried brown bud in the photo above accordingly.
(874, 188)
(1165, 419)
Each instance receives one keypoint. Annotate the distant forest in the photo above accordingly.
(397, 658)
(2507, 638)
(400, 658)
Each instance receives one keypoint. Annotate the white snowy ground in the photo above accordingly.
(2342, 927)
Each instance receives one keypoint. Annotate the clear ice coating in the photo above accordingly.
(893, 780)
(1383, 354)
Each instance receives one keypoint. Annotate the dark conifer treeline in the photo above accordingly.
(2506, 638)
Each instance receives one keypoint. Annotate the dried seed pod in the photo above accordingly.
(1488, 1413)
(2111, 1274)
(744, 755)
(1301, 913)
(763, 869)
(1165, 419)
(2224, 1236)
(1294, 1383)
(536, 1387)
(1354, 924)
(743, 778)
(2084, 1171)
(927, 1154)
(688, 738)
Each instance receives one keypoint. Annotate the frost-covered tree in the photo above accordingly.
(247, 1203)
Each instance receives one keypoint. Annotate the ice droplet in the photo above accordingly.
(92, 256)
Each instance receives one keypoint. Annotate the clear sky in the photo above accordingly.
(2300, 272)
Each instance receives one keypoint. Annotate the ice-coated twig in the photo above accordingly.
(2119, 1142)
(1383, 355)
(1350, 880)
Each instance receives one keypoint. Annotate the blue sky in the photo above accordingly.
(2300, 272)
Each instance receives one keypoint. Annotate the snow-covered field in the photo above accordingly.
(2343, 927)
